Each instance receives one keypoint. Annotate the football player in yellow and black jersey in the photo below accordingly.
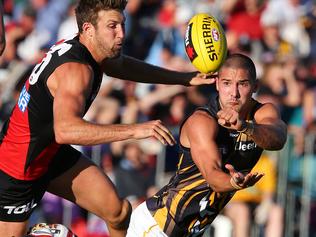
(219, 145)
(35, 151)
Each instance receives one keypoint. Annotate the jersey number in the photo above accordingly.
(38, 69)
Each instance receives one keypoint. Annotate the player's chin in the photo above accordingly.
(116, 53)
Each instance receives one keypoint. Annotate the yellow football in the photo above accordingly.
(205, 43)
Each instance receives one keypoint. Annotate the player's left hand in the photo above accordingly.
(203, 79)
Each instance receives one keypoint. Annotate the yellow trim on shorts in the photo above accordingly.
(149, 229)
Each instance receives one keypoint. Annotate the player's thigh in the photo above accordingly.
(86, 185)
(18, 199)
(143, 224)
(16, 229)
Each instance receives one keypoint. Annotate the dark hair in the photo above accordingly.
(87, 10)
(240, 61)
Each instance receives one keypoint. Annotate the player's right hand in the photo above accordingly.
(203, 79)
(156, 129)
(243, 180)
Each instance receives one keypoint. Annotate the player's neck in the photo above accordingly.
(87, 42)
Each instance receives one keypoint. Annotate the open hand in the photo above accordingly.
(243, 180)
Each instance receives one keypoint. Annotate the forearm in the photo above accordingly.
(128, 68)
(85, 133)
(219, 181)
(267, 136)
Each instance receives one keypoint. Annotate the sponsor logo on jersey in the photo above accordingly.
(245, 146)
(17, 210)
(223, 149)
(24, 99)
(234, 134)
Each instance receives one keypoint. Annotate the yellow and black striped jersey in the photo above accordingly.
(187, 205)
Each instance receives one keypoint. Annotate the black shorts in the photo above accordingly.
(18, 198)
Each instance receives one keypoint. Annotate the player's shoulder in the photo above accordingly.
(267, 107)
(201, 119)
(267, 110)
(73, 50)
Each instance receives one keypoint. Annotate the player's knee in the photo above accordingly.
(120, 219)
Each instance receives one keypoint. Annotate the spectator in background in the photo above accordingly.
(243, 21)
(49, 14)
(17, 32)
(141, 26)
(135, 175)
(272, 46)
(278, 85)
(168, 43)
(105, 110)
(68, 26)
(289, 13)
(167, 49)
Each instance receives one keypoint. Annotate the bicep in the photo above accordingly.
(268, 114)
(73, 83)
(201, 131)
(270, 123)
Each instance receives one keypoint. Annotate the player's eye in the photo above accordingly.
(244, 83)
(112, 26)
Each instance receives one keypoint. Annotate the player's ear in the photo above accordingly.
(88, 28)
(216, 82)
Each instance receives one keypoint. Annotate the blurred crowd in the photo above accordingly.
(279, 35)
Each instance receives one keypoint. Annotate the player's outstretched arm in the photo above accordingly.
(128, 68)
(70, 84)
(267, 129)
(199, 133)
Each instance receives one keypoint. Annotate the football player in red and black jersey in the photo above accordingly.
(35, 155)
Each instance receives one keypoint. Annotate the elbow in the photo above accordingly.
(216, 188)
(280, 142)
(61, 136)
(277, 145)
(220, 188)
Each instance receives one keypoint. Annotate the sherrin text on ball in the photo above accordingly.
(205, 43)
